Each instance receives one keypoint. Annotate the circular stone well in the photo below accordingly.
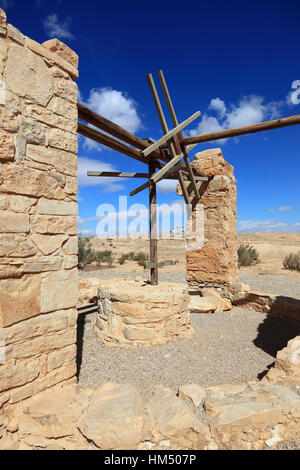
(134, 313)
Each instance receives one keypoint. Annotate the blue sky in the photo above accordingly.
(234, 61)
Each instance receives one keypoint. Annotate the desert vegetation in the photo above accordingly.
(247, 255)
(292, 262)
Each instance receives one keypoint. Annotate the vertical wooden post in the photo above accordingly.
(153, 226)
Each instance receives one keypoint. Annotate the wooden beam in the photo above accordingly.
(106, 125)
(263, 126)
(112, 143)
(156, 177)
(153, 228)
(169, 135)
(165, 130)
(180, 137)
(181, 181)
(117, 174)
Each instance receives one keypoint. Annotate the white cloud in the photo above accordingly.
(116, 106)
(57, 29)
(285, 208)
(218, 105)
(250, 226)
(249, 110)
(167, 186)
(108, 184)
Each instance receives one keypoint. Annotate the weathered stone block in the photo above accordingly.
(21, 203)
(59, 291)
(27, 75)
(15, 375)
(14, 223)
(41, 114)
(64, 162)
(61, 49)
(33, 132)
(64, 108)
(16, 246)
(7, 146)
(55, 224)
(66, 89)
(42, 264)
(19, 179)
(14, 34)
(47, 207)
(59, 358)
(48, 244)
(63, 140)
(19, 299)
(71, 246)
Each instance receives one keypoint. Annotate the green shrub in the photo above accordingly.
(247, 255)
(86, 253)
(141, 258)
(292, 261)
(123, 258)
(104, 256)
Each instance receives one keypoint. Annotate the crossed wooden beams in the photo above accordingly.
(165, 155)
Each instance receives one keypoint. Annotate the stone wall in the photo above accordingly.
(132, 313)
(38, 214)
(215, 263)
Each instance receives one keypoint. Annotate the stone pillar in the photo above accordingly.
(38, 214)
(215, 264)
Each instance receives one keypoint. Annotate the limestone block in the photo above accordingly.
(61, 49)
(63, 140)
(19, 299)
(9, 119)
(3, 202)
(33, 132)
(19, 179)
(48, 244)
(14, 34)
(44, 52)
(43, 345)
(71, 246)
(48, 207)
(7, 146)
(14, 375)
(58, 358)
(59, 291)
(27, 75)
(64, 162)
(287, 364)
(70, 262)
(41, 114)
(14, 223)
(64, 108)
(20, 147)
(21, 393)
(111, 406)
(192, 393)
(41, 264)
(39, 326)
(71, 185)
(56, 376)
(172, 419)
(55, 224)
(21, 203)
(16, 246)
(66, 89)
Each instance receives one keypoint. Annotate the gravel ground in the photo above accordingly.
(226, 348)
(279, 284)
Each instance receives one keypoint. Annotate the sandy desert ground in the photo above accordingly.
(272, 248)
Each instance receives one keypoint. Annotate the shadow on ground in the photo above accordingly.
(83, 313)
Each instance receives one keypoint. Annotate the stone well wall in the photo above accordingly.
(134, 313)
(215, 263)
(38, 214)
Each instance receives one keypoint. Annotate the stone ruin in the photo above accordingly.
(40, 406)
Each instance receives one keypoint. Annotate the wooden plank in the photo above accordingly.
(263, 126)
(165, 130)
(106, 125)
(156, 177)
(153, 228)
(180, 138)
(117, 174)
(112, 143)
(169, 135)
(139, 189)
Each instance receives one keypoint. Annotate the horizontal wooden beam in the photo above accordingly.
(168, 136)
(106, 125)
(117, 174)
(108, 141)
(263, 126)
(156, 177)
